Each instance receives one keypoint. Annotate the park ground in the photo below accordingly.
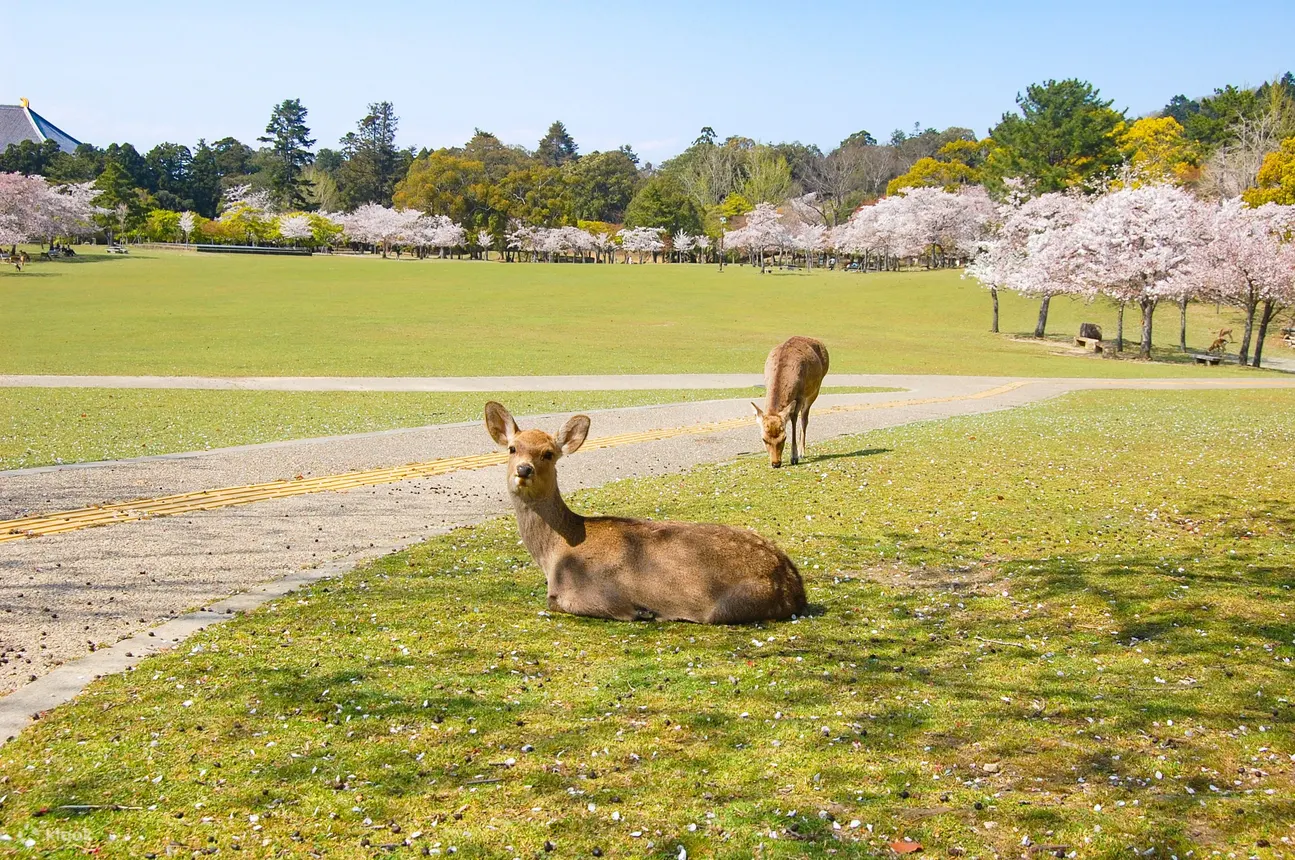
(1062, 629)
(171, 313)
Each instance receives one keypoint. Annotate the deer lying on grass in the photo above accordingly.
(793, 374)
(628, 570)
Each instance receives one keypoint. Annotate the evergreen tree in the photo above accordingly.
(204, 180)
(373, 165)
(1063, 136)
(290, 145)
(556, 148)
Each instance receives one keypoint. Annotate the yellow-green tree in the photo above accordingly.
(930, 172)
(441, 183)
(955, 164)
(1158, 148)
(1276, 178)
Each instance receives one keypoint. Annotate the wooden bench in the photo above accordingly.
(1089, 343)
(1211, 360)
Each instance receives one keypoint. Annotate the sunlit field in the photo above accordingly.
(174, 313)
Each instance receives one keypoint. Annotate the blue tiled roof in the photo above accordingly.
(19, 123)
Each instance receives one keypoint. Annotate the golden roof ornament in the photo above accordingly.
(24, 103)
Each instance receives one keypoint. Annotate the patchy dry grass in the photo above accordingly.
(1060, 630)
(41, 426)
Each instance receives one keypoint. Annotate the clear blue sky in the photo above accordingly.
(650, 75)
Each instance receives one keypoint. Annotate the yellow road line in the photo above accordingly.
(208, 500)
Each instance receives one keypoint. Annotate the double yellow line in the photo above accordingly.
(210, 500)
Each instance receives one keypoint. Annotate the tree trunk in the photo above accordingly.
(1244, 352)
(1041, 326)
(1148, 311)
(1182, 323)
(1119, 329)
(1270, 311)
(993, 294)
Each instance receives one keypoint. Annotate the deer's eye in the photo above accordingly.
(548, 455)
(512, 449)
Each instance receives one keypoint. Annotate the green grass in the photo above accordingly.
(1026, 627)
(41, 426)
(225, 315)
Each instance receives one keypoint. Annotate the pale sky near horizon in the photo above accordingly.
(650, 76)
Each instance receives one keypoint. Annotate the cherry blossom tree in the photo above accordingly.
(604, 243)
(248, 212)
(187, 222)
(291, 227)
(640, 240)
(1130, 245)
(1028, 253)
(701, 244)
(379, 226)
(763, 230)
(33, 210)
(484, 240)
(858, 235)
(523, 237)
(20, 203)
(682, 243)
(809, 239)
(1241, 258)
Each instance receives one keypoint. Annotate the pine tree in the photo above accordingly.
(556, 148)
(290, 145)
(373, 165)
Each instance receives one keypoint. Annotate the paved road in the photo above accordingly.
(64, 595)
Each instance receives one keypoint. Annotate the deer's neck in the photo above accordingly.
(548, 527)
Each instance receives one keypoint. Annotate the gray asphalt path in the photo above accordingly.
(81, 604)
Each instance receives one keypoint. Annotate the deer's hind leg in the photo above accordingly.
(804, 430)
(597, 601)
(793, 420)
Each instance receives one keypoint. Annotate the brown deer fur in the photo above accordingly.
(624, 569)
(793, 374)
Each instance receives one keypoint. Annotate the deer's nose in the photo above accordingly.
(525, 470)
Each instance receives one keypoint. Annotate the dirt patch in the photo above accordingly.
(971, 579)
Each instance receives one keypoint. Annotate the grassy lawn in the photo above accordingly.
(225, 315)
(1033, 635)
(40, 426)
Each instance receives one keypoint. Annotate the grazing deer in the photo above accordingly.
(793, 374)
(636, 570)
(1221, 341)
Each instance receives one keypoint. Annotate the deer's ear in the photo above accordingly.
(785, 414)
(759, 413)
(573, 433)
(500, 424)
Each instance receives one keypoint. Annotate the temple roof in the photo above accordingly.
(19, 122)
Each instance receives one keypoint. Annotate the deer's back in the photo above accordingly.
(682, 571)
(794, 371)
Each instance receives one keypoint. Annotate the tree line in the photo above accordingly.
(1062, 135)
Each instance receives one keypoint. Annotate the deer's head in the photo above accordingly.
(533, 454)
(773, 431)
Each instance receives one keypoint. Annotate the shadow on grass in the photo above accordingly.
(862, 452)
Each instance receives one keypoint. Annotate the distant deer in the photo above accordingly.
(793, 374)
(636, 570)
(1220, 344)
